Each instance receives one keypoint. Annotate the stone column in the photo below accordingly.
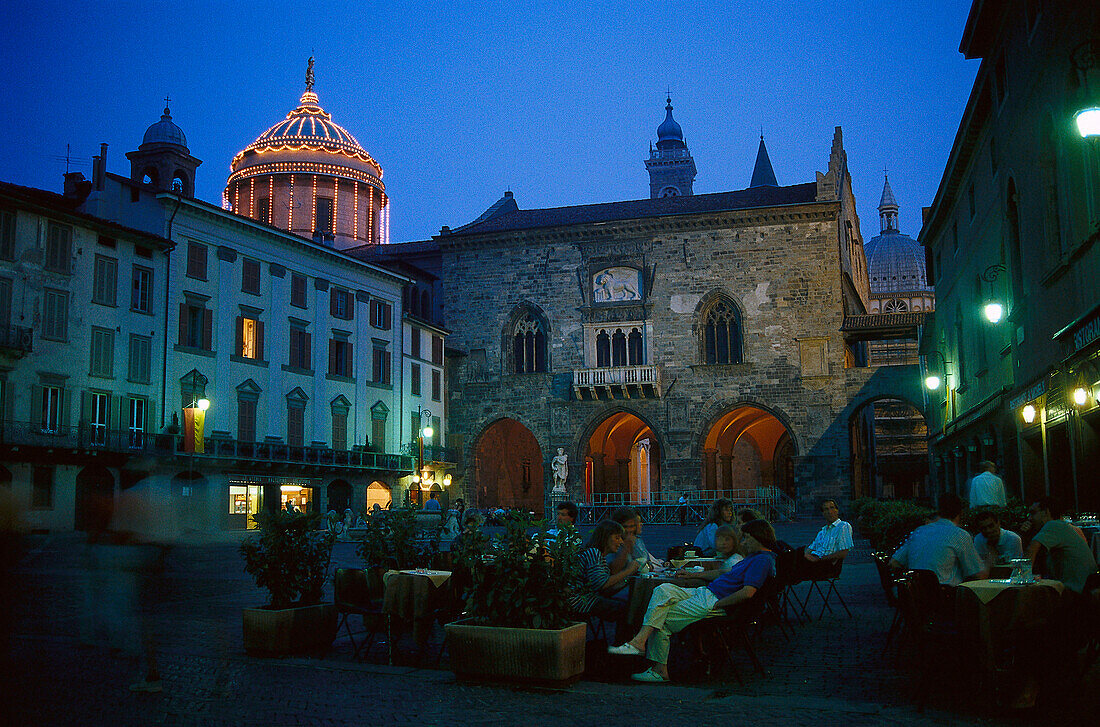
(710, 476)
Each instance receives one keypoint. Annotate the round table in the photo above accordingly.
(414, 597)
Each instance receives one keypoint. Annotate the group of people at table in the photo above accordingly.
(744, 550)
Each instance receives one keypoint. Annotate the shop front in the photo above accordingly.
(249, 494)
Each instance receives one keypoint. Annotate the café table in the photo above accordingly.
(705, 563)
(413, 597)
(641, 590)
(999, 617)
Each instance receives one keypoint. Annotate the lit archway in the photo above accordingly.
(889, 450)
(508, 467)
(747, 448)
(622, 461)
(378, 493)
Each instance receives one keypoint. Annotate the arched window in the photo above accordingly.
(722, 334)
(618, 348)
(529, 345)
(634, 348)
(603, 350)
(895, 305)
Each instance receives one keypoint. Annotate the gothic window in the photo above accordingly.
(895, 305)
(618, 348)
(722, 334)
(603, 350)
(529, 345)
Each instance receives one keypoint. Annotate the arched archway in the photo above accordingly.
(95, 497)
(508, 467)
(338, 495)
(888, 440)
(745, 449)
(378, 493)
(622, 461)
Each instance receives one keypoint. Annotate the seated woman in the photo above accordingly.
(632, 548)
(592, 595)
(727, 540)
(672, 608)
(721, 513)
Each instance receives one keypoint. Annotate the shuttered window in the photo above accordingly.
(102, 352)
(55, 314)
(105, 281)
(7, 235)
(59, 244)
(250, 276)
(141, 349)
(246, 420)
(141, 285)
(196, 261)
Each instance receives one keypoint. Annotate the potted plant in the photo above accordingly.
(290, 558)
(518, 623)
(397, 539)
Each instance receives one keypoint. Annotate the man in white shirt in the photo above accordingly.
(942, 547)
(822, 557)
(987, 488)
(993, 543)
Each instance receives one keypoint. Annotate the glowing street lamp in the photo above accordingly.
(933, 380)
(1028, 413)
(1080, 396)
(1088, 122)
(994, 312)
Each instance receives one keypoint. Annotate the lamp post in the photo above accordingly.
(932, 381)
(422, 432)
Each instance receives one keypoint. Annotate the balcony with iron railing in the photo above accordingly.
(617, 382)
(433, 453)
(97, 437)
(18, 340)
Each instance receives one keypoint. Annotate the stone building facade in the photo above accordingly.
(685, 343)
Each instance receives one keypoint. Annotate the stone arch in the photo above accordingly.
(95, 496)
(739, 449)
(621, 451)
(184, 180)
(508, 466)
(379, 492)
(150, 176)
(338, 495)
(888, 447)
(530, 323)
(716, 409)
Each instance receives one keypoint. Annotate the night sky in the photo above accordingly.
(460, 101)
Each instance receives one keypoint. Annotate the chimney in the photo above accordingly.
(99, 168)
(76, 186)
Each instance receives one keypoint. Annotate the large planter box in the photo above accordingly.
(526, 655)
(296, 630)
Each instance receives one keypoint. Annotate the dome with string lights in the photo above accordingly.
(311, 176)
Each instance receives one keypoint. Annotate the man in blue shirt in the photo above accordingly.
(432, 505)
(673, 608)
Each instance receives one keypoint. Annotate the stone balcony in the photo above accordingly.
(617, 382)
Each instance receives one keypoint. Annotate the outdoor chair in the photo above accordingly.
(830, 576)
(716, 636)
(889, 589)
(786, 599)
(933, 644)
(355, 594)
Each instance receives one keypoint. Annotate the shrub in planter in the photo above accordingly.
(886, 524)
(393, 539)
(518, 621)
(290, 559)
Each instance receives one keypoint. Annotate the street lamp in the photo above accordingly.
(932, 381)
(1028, 414)
(993, 310)
(1084, 58)
(422, 433)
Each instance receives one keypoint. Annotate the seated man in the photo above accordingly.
(993, 543)
(942, 547)
(566, 522)
(673, 608)
(822, 557)
(1068, 556)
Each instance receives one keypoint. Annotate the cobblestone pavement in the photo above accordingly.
(829, 670)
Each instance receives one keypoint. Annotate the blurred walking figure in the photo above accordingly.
(143, 528)
(11, 552)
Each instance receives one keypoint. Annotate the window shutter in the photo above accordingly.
(332, 368)
(116, 419)
(307, 350)
(332, 302)
(150, 414)
(351, 305)
(239, 344)
(259, 340)
(348, 360)
(63, 408)
(207, 329)
(36, 406)
(86, 414)
(183, 324)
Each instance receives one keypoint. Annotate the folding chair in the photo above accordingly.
(830, 576)
(355, 595)
(889, 588)
(730, 629)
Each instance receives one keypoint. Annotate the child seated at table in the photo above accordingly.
(673, 608)
(726, 541)
(632, 549)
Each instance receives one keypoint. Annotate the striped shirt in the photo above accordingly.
(835, 536)
(595, 573)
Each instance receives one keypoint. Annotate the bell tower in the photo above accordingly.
(163, 160)
(671, 168)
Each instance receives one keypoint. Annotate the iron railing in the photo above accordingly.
(432, 452)
(664, 509)
(111, 439)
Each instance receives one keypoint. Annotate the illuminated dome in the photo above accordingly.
(309, 175)
(895, 265)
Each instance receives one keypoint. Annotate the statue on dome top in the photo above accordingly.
(309, 74)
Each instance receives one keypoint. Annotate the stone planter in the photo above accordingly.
(302, 629)
(526, 655)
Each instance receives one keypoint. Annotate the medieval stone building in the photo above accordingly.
(644, 348)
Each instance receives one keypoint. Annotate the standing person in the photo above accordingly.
(823, 556)
(721, 513)
(432, 505)
(673, 608)
(1068, 556)
(994, 543)
(987, 489)
(942, 547)
(683, 503)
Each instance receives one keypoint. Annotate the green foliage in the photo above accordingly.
(886, 523)
(393, 539)
(520, 579)
(1012, 516)
(288, 557)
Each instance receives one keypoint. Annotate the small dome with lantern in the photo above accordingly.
(895, 264)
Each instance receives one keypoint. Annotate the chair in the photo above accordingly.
(822, 575)
(889, 589)
(780, 590)
(731, 628)
(934, 643)
(356, 593)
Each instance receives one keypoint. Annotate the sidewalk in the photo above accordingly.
(833, 667)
